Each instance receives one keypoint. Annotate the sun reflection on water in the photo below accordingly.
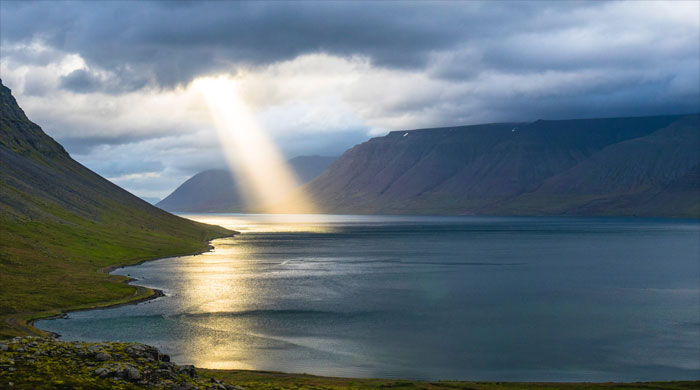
(269, 223)
(215, 285)
(227, 294)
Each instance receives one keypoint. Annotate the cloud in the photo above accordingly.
(174, 42)
(112, 80)
(80, 80)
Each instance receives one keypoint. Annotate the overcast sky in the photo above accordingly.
(112, 81)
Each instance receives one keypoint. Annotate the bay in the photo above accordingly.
(468, 298)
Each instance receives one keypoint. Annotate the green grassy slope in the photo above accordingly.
(61, 223)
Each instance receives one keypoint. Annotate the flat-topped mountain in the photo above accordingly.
(643, 166)
(215, 190)
(60, 222)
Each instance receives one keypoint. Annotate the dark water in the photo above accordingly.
(543, 299)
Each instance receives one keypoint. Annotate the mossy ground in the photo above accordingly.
(44, 363)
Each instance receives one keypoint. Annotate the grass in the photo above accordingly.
(266, 380)
(56, 262)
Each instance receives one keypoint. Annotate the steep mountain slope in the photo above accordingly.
(543, 167)
(651, 175)
(215, 190)
(61, 222)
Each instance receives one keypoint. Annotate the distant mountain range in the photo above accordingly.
(215, 190)
(641, 166)
(60, 222)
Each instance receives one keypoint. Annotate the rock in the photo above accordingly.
(138, 350)
(102, 372)
(132, 373)
(151, 352)
(189, 370)
(94, 348)
(128, 364)
(102, 357)
(164, 373)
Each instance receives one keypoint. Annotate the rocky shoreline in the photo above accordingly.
(47, 363)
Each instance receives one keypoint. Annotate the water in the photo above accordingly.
(529, 299)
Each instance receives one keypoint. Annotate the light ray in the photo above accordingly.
(263, 177)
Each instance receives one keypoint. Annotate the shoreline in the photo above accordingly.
(141, 294)
(150, 296)
(46, 363)
(156, 293)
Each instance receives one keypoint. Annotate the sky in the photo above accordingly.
(114, 81)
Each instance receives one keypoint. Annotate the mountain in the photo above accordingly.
(150, 199)
(61, 222)
(645, 166)
(215, 190)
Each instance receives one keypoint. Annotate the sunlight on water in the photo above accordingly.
(221, 291)
(267, 223)
(211, 287)
(261, 173)
(529, 299)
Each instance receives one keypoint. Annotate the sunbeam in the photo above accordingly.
(263, 177)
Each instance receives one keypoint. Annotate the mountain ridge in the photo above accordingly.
(216, 190)
(498, 168)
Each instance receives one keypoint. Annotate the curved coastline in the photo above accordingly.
(253, 377)
(141, 294)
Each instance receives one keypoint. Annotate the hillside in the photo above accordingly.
(61, 223)
(215, 190)
(642, 166)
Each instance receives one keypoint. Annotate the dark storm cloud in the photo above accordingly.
(168, 43)
(84, 81)
(175, 41)
(80, 80)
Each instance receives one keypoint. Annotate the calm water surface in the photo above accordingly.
(545, 299)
